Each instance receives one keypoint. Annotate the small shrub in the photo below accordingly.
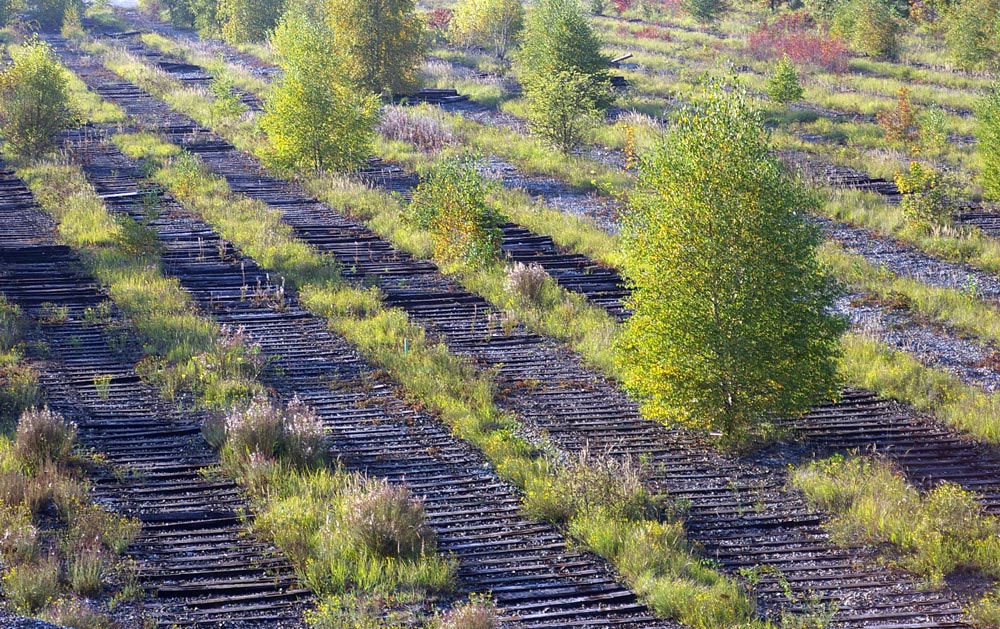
(653, 32)
(388, 521)
(783, 86)
(796, 36)
(292, 433)
(933, 130)
(91, 524)
(85, 571)
(926, 200)
(43, 437)
(11, 325)
(935, 533)
(314, 117)
(563, 72)
(705, 11)
(248, 20)
(226, 105)
(985, 612)
(51, 14)
(590, 483)
(439, 19)
(900, 122)
(526, 280)
(19, 543)
(478, 613)
(423, 127)
(31, 587)
(452, 203)
(34, 100)
(76, 614)
(18, 392)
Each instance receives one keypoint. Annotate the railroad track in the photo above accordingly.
(193, 555)
(739, 512)
(535, 579)
(831, 174)
(601, 285)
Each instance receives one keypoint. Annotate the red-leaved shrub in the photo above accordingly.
(653, 32)
(439, 19)
(796, 35)
(621, 6)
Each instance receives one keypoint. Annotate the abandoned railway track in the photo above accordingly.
(741, 513)
(534, 578)
(600, 284)
(193, 555)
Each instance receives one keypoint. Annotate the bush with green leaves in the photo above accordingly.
(248, 20)
(314, 117)
(731, 323)
(705, 11)
(226, 104)
(491, 24)
(381, 41)
(453, 203)
(291, 433)
(988, 147)
(932, 128)
(783, 86)
(43, 439)
(926, 201)
(971, 33)
(869, 26)
(34, 100)
(564, 73)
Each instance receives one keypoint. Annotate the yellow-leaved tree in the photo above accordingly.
(490, 24)
(381, 42)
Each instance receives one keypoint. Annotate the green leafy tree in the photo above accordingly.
(491, 24)
(731, 322)
(598, 7)
(869, 26)
(205, 17)
(179, 12)
(705, 11)
(988, 147)
(314, 117)
(783, 86)
(34, 100)
(971, 33)
(453, 204)
(382, 42)
(563, 72)
(248, 20)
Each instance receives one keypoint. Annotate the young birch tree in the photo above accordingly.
(731, 323)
